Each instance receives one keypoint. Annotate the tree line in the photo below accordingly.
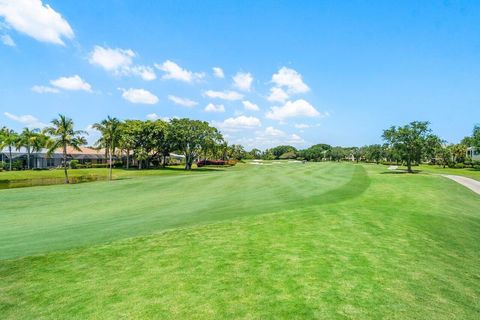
(411, 144)
(149, 143)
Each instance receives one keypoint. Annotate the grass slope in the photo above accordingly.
(42, 219)
(357, 244)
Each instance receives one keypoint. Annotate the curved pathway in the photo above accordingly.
(471, 184)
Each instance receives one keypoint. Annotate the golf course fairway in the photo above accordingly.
(258, 241)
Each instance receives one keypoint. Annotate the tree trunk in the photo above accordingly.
(10, 157)
(188, 165)
(110, 173)
(164, 160)
(128, 158)
(409, 166)
(28, 158)
(65, 164)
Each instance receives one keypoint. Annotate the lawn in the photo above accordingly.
(467, 172)
(288, 240)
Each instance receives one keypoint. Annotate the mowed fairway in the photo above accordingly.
(283, 240)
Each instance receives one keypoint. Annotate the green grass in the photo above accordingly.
(279, 241)
(58, 173)
(467, 172)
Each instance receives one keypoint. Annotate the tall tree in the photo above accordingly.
(476, 137)
(412, 141)
(190, 138)
(63, 135)
(110, 129)
(28, 138)
(9, 139)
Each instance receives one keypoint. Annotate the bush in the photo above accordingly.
(99, 165)
(17, 165)
(118, 164)
(459, 165)
(74, 164)
(211, 163)
(476, 165)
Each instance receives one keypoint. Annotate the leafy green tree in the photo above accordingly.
(63, 135)
(236, 151)
(476, 137)
(279, 150)
(29, 139)
(190, 137)
(443, 154)
(255, 153)
(412, 142)
(337, 153)
(110, 130)
(9, 139)
(316, 152)
(375, 153)
(127, 140)
(459, 152)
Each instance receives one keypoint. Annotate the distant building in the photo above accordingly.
(473, 153)
(41, 160)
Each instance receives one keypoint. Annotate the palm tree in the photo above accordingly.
(28, 139)
(62, 136)
(9, 139)
(111, 133)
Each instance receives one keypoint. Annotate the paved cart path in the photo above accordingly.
(471, 184)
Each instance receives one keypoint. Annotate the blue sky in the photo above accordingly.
(293, 72)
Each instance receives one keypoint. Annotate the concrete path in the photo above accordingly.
(471, 184)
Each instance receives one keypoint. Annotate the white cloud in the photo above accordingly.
(297, 108)
(250, 106)
(291, 79)
(111, 59)
(146, 73)
(36, 20)
(154, 116)
(7, 40)
(301, 126)
(243, 81)
(218, 72)
(120, 62)
(139, 96)
(270, 137)
(92, 134)
(182, 101)
(71, 83)
(224, 95)
(44, 89)
(277, 95)
(272, 132)
(238, 123)
(174, 71)
(27, 120)
(214, 108)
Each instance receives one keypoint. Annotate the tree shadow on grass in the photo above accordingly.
(175, 169)
(401, 172)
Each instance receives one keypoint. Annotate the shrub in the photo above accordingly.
(99, 165)
(17, 165)
(459, 165)
(118, 164)
(216, 163)
(74, 164)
